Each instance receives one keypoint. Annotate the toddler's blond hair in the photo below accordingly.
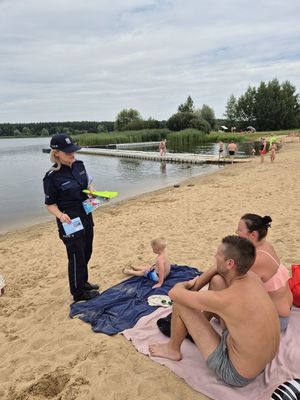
(161, 242)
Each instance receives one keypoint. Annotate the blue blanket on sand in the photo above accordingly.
(121, 306)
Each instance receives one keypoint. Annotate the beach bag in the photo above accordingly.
(294, 283)
(164, 325)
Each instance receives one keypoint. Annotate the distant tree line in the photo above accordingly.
(51, 128)
(271, 106)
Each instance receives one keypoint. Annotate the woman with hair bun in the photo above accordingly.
(267, 265)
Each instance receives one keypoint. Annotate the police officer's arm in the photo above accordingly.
(53, 209)
(50, 191)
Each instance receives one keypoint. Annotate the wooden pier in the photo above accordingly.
(187, 158)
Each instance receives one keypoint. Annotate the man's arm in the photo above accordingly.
(204, 278)
(206, 300)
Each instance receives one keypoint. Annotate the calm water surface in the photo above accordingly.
(23, 166)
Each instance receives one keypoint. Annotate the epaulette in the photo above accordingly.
(48, 173)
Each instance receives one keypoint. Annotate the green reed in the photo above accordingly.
(187, 137)
(145, 135)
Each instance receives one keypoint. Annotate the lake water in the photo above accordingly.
(23, 166)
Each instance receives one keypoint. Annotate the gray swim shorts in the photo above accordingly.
(220, 363)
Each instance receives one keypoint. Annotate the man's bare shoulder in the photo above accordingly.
(219, 298)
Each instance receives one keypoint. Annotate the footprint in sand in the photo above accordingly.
(48, 386)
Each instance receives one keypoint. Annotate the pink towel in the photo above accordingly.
(192, 368)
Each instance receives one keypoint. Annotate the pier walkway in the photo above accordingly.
(187, 158)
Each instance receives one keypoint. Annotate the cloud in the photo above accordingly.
(89, 59)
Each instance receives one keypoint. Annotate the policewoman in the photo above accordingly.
(63, 185)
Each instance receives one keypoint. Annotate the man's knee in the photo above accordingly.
(217, 282)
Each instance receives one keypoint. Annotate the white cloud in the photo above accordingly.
(88, 59)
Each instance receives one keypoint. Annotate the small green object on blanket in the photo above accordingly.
(159, 300)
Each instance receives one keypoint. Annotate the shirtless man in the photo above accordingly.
(231, 148)
(251, 335)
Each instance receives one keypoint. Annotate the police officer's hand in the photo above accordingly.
(64, 218)
(91, 188)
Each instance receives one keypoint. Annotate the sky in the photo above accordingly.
(86, 60)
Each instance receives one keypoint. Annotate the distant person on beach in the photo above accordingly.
(262, 149)
(273, 139)
(231, 148)
(272, 151)
(63, 185)
(251, 335)
(221, 149)
(158, 271)
(163, 147)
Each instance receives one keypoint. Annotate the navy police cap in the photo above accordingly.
(64, 143)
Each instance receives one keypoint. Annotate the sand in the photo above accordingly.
(46, 355)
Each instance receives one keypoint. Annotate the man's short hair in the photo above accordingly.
(241, 250)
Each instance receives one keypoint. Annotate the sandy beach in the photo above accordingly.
(47, 355)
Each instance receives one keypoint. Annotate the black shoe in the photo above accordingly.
(91, 286)
(87, 295)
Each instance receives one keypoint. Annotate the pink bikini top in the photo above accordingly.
(279, 279)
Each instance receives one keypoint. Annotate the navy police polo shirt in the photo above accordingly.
(64, 187)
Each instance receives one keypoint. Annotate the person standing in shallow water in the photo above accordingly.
(231, 148)
(221, 150)
(163, 147)
(63, 185)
